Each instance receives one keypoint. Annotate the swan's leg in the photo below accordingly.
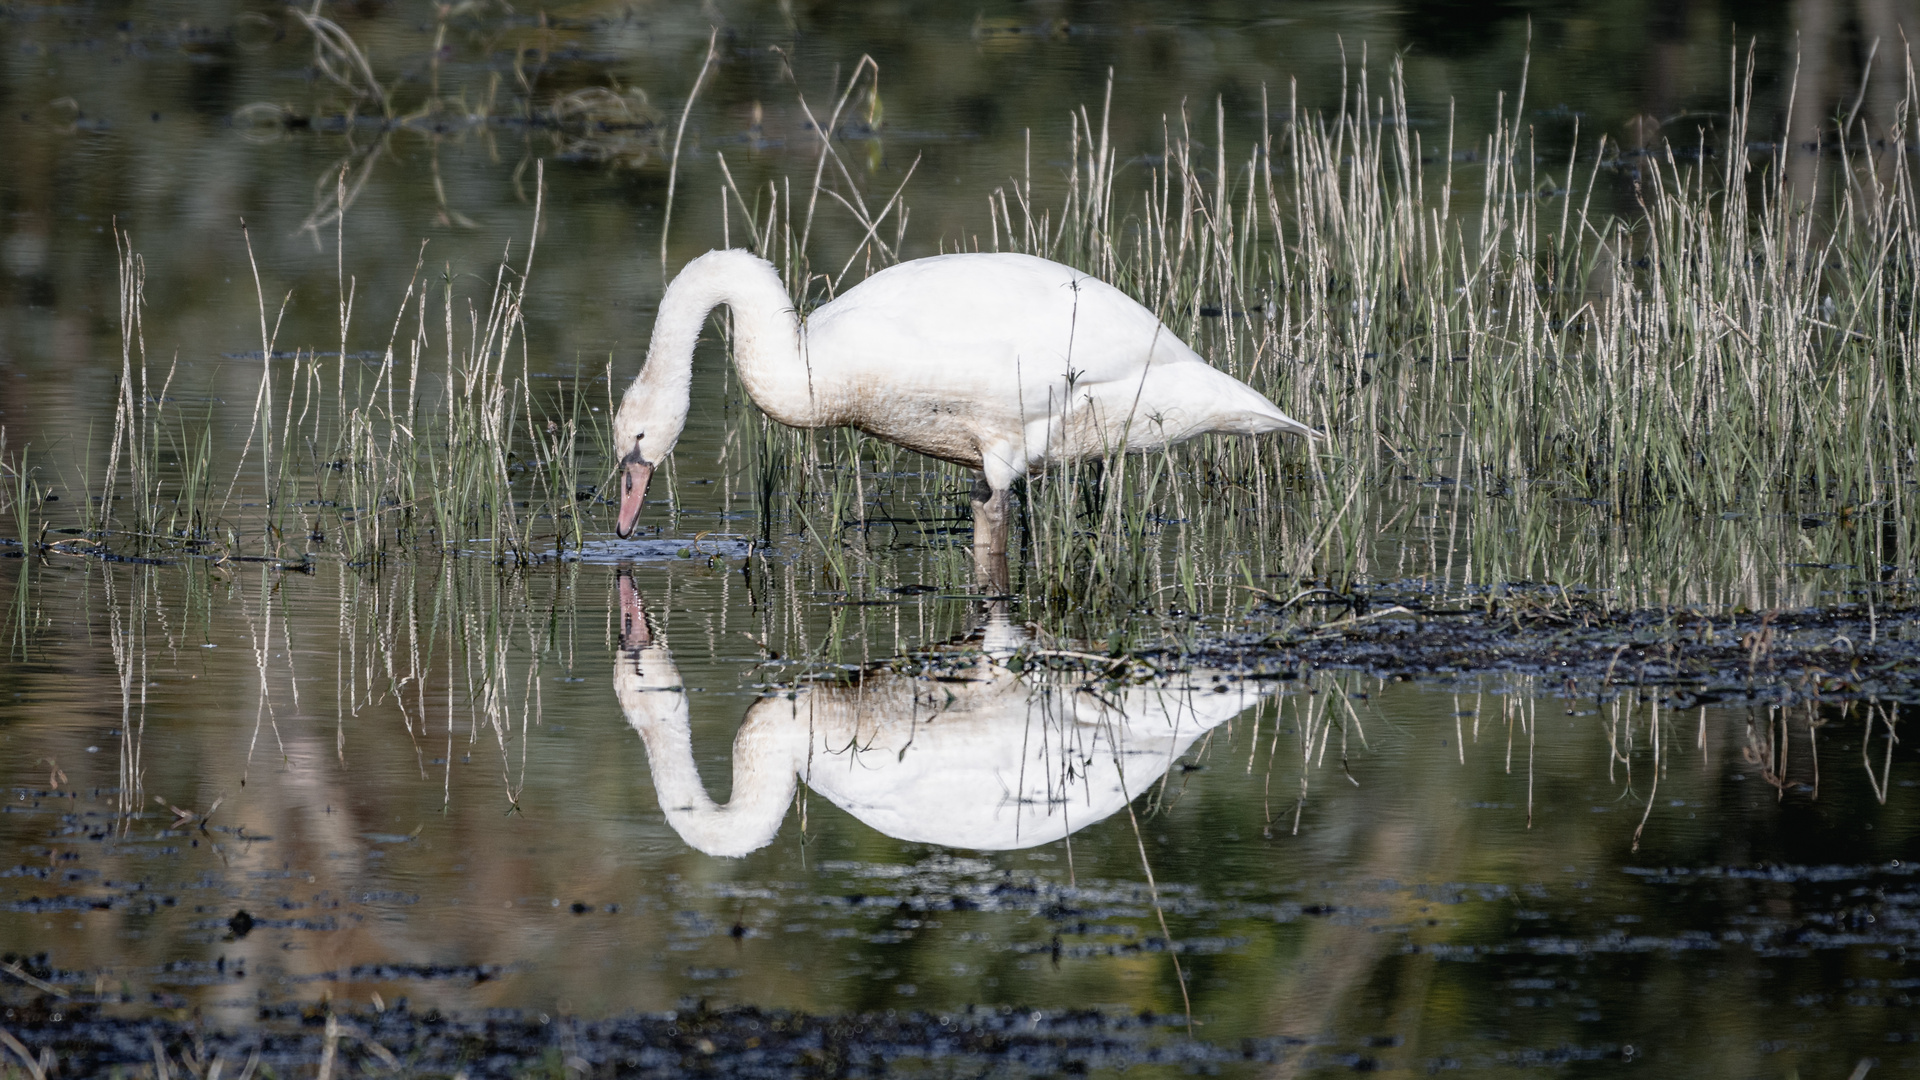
(983, 519)
(990, 536)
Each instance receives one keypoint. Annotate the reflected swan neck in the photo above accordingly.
(764, 765)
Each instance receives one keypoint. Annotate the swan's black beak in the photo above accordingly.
(635, 472)
(633, 618)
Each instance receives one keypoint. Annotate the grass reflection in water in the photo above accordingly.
(337, 766)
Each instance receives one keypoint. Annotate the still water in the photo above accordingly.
(573, 793)
(571, 790)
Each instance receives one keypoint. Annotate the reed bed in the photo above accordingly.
(1705, 395)
(1684, 401)
(435, 440)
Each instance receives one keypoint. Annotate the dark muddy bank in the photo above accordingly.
(87, 1040)
(1688, 658)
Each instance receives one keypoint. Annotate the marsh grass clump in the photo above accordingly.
(1668, 402)
(20, 497)
(1679, 375)
(435, 440)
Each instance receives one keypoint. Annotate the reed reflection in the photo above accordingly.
(979, 755)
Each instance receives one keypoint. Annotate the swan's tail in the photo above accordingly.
(1271, 419)
(1282, 422)
(1213, 400)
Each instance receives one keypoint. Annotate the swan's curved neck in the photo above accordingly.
(765, 762)
(766, 344)
(764, 779)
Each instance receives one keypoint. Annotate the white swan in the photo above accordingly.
(993, 361)
(985, 759)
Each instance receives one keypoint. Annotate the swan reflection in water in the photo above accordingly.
(979, 757)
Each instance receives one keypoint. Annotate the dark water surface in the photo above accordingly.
(417, 790)
(235, 789)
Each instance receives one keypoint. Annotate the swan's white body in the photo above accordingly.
(988, 760)
(998, 362)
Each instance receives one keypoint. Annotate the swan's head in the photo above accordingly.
(635, 473)
(642, 439)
